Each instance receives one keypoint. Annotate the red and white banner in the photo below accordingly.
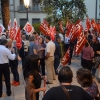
(66, 58)
(88, 24)
(94, 25)
(18, 39)
(61, 27)
(80, 43)
(9, 25)
(28, 28)
(76, 31)
(44, 27)
(69, 29)
(13, 30)
(53, 32)
(1, 28)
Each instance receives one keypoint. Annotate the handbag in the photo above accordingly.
(98, 95)
(66, 92)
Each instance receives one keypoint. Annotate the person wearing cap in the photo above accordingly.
(5, 55)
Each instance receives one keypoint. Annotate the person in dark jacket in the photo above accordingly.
(57, 53)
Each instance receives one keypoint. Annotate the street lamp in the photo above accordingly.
(26, 3)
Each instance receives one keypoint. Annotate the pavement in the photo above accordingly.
(18, 93)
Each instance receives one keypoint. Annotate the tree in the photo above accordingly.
(36, 27)
(5, 12)
(64, 10)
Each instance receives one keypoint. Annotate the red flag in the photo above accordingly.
(66, 58)
(61, 27)
(74, 31)
(69, 30)
(80, 43)
(88, 24)
(45, 29)
(28, 28)
(9, 25)
(18, 39)
(12, 33)
(94, 25)
(53, 33)
(69, 27)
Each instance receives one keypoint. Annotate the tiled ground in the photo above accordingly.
(18, 93)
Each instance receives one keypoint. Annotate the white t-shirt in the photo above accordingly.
(50, 47)
(67, 40)
(99, 39)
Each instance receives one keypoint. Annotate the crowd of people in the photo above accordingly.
(41, 57)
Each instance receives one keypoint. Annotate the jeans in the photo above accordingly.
(14, 70)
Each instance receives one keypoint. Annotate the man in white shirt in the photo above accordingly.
(50, 50)
(5, 55)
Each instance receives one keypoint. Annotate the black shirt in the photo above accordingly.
(96, 47)
(75, 92)
(58, 49)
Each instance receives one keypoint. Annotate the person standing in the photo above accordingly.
(87, 56)
(24, 50)
(96, 49)
(32, 47)
(14, 63)
(5, 55)
(50, 50)
(41, 53)
(57, 53)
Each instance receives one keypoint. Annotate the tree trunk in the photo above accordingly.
(5, 12)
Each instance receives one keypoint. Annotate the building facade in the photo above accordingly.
(35, 13)
(18, 11)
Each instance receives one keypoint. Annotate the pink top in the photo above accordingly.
(87, 53)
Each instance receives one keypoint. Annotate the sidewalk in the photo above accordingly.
(18, 93)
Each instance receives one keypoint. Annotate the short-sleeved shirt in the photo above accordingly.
(31, 48)
(75, 92)
(50, 47)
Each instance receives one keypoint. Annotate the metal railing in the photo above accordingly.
(36, 8)
(22, 8)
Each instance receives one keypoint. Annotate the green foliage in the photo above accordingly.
(64, 10)
(36, 27)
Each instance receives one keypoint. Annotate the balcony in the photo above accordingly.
(36, 8)
(22, 8)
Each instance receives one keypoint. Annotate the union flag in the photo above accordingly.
(18, 39)
(28, 28)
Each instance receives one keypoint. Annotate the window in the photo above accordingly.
(35, 20)
(11, 2)
(35, 1)
(23, 22)
(21, 2)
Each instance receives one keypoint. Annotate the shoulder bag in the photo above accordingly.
(66, 92)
